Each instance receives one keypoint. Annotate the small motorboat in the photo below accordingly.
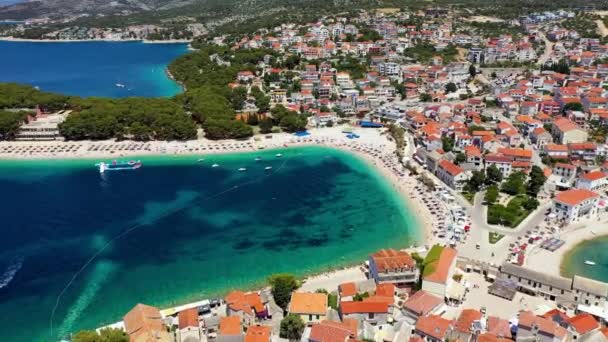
(278, 155)
(268, 168)
(215, 165)
(120, 85)
(589, 262)
(200, 160)
(258, 158)
(242, 169)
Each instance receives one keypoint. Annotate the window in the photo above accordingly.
(310, 317)
(371, 315)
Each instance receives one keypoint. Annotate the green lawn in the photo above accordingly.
(469, 196)
(431, 258)
(510, 215)
(495, 237)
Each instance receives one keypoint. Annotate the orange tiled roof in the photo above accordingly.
(546, 326)
(592, 176)
(385, 290)
(188, 318)
(450, 167)
(328, 331)
(498, 327)
(230, 325)
(583, 323)
(465, 321)
(516, 152)
(575, 196)
(258, 333)
(422, 303)
(347, 289)
(308, 303)
(434, 326)
(442, 266)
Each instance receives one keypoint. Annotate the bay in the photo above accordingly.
(92, 68)
(79, 249)
(595, 250)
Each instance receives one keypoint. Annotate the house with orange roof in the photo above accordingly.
(451, 174)
(433, 328)
(188, 325)
(230, 326)
(422, 304)
(575, 205)
(556, 151)
(439, 271)
(467, 326)
(474, 156)
(330, 331)
(535, 328)
(582, 324)
(565, 131)
(498, 327)
(311, 307)
(258, 333)
(503, 163)
(347, 290)
(594, 181)
(393, 266)
(373, 312)
(516, 154)
(144, 323)
(248, 306)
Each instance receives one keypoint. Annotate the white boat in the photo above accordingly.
(215, 165)
(242, 169)
(258, 158)
(200, 160)
(268, 168)
(120, 85)
(588, 262)
(279, 155)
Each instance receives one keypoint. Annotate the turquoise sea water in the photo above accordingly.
(595, 250)
(91, 68)
(178, 230)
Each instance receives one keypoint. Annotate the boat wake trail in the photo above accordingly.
(8, 275)
(141, 223)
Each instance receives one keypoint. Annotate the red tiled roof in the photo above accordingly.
(592, 176)
(188, 318)
(143, 321)
(390, 259)
(450, 167)
(230, 325)
(328, 331)
(527, 320)
(422, 303)
(434, 326)
(575, 196)
(385, 290)
(583, 323)
(498, 327)
(516, 152)
(258, 333)
(466, 319)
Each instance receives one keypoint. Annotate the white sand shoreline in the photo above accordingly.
(553, 262)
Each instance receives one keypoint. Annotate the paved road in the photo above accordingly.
(548, 48)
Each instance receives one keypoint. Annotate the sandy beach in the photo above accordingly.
(550, 262)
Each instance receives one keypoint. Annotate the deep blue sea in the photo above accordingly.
(92, 68)
(79, 249)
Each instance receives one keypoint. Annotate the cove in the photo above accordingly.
(179, 230)
(595, 250)
(106, 69)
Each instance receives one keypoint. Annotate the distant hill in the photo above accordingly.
(142, 11)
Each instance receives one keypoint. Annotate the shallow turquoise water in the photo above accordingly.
(92, 68)
(177, 230)
(595, 250)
